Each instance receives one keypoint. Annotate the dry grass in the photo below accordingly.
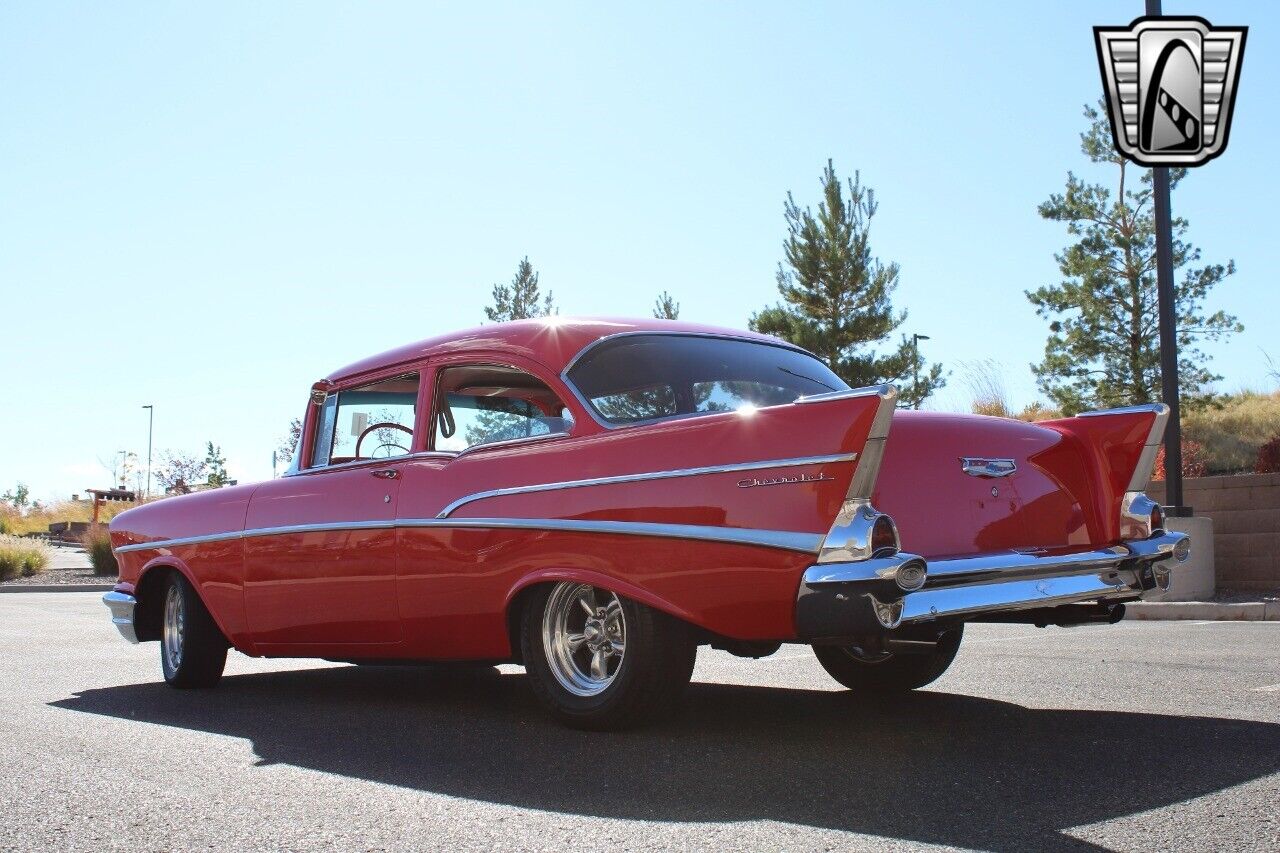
(22, 557)
(38, 520)
(985, 381)
(1232, 433)
(97, 542)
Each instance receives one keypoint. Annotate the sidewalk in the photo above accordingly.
(1265, 610)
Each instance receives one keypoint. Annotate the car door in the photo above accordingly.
(320, 548)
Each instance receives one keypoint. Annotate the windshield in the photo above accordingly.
(636, 378)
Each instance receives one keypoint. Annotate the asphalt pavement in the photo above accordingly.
(1138, 736)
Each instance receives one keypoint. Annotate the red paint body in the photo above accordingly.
(446, 592)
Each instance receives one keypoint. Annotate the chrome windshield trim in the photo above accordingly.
(650, 475)
(782, 539)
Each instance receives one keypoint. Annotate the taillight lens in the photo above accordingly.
(1157, 518)
(884, 536)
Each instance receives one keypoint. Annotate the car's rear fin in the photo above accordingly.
(851, 533)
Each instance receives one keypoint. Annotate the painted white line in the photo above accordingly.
(1270, 688)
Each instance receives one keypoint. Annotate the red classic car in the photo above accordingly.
(594, 499)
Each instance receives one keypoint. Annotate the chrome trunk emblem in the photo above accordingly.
(981, 466)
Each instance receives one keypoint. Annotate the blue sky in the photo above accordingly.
(209, 208)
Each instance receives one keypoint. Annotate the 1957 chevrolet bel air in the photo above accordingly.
(594, 499)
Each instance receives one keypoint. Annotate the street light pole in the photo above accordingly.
(915, 368)
(1168, 331)
(151, 422)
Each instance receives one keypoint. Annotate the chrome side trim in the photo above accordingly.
(391, 460)
(785, 540)
(181, 540)
(121, 607)
(782, 539)
(648, 475)
(1147, 461)
(507, 442)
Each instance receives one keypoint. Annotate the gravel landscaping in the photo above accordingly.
(69, 566)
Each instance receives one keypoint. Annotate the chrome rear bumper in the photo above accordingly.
(838, 600)
(121, 607)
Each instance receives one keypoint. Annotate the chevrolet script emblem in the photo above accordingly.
(1171, 86)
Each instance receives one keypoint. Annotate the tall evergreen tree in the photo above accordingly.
(666, 308)
(836, 295)
(1104, 344)
(519, 300)
(216, 464)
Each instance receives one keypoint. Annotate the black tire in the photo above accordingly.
(193, 652)
(891, 673)
(650, 677)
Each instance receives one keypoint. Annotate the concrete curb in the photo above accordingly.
(56, 587)
(1249, 611)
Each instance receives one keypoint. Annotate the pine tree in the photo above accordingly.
(836, 296)
(1104, 346)
(666, 308)
(216, 464)
(519, 300)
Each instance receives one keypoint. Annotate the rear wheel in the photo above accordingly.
(601, 661)
(193, 651)
(887, 672)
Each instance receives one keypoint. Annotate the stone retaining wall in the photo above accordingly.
(1246, 526)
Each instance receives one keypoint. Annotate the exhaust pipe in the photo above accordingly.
(1062, 616)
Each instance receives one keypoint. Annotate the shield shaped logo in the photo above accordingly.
(1171, 86)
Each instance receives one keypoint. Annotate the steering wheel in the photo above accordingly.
(387, 444)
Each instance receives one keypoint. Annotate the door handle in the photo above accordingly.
(385, 473)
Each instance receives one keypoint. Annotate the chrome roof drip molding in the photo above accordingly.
(649, 475)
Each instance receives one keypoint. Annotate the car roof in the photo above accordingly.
(552, 341)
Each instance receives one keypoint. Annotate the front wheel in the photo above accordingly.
(600, 661)
(887, 672)
(193, 651)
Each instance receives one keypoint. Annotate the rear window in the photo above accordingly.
(636, 378)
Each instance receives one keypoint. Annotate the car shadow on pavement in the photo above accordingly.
(930, 766)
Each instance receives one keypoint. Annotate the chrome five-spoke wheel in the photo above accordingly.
(174, 633)
(584, 636)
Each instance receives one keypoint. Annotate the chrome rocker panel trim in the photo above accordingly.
(121, 607)
(858, 598)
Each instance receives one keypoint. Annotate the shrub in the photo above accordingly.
(1268, 457)
(22, 557)
(1233, 428)
(1193, 460)
(98, 543)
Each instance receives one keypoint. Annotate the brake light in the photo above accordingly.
(884, 537)
(1157, 518)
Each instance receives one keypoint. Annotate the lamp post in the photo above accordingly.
(915, 367)
(151, 421)
(1168, 331)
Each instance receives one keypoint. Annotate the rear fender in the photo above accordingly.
(1106, 455)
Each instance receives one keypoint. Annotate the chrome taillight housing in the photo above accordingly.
(1140, 517)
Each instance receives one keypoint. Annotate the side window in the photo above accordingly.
(482, 404)
(372, 421)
